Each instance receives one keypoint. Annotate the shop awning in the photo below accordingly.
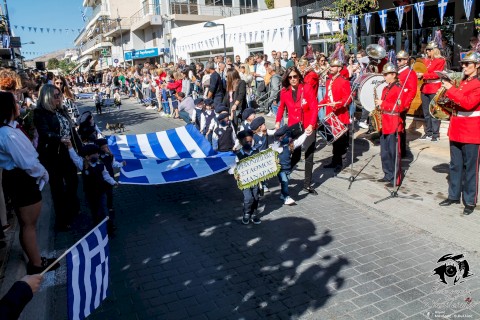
(90, 65)
(76, 68)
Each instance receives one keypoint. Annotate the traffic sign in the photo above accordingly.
(115, 60)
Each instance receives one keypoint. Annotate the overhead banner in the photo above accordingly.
(400, 10)
(420, 7)
(368, 17)
(382, 14)
(442, 7)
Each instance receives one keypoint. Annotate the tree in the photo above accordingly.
(53, 63)
(66, 66)
(343, 9)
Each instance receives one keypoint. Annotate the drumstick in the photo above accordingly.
(328, 104)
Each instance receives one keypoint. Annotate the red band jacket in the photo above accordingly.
(408, 80)
(391, 107)
(465, 120)
(303, 109)
(431, 80)
(338, 90)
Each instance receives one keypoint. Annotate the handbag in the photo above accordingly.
(296, 130)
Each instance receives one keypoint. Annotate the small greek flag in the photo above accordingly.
(87, 273)
(400, 10)
(420, 7)
(354, 24)
(382, 14)
(341, 24)
(442, 7)
(467, 4)
(174, 155)
(368, 17)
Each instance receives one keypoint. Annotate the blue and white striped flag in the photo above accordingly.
(175, 155)
(442, 7)
(382, 14)
(420, 7)
(87, 273)
(354, 24)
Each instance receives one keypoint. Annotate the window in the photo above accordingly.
(154, 38)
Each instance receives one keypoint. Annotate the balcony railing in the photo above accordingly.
(196, 9)
(92, 42)
(101, 9)
(147, 10)
(113, 24)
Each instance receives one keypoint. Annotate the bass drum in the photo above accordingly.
(366, 96)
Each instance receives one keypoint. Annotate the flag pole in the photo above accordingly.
(70, 249)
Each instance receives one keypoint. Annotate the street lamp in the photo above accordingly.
(30, 42)
(211, 24)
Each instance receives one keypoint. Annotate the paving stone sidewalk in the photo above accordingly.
(181, 252)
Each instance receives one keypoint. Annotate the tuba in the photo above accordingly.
(376, 53)
(376, 114)
(441, 107)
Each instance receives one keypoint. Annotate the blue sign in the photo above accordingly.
(116, 60)
(141, 54)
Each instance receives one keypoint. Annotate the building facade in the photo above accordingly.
(119, 32)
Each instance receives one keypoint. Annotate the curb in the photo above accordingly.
(41, 305)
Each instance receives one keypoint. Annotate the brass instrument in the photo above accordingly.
(416, 105)
(441, 107)
(376, 51)
(376, 114)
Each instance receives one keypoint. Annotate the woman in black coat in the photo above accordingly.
(236, 96)
(53, 123)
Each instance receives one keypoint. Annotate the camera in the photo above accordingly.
(453, 269)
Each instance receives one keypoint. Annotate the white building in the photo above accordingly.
(141, 30)
(247, 34)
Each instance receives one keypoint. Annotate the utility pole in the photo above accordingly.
(121, 37)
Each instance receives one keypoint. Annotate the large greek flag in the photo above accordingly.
(87, 273)
(175, 155)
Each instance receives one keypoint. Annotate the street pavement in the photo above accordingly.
(181, 252)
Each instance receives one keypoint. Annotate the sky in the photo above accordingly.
(52, 14)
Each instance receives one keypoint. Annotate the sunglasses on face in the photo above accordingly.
(428, 49)
(465, 64)
(293, 77)
(58, 82)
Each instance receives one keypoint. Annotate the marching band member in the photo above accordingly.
(464, 134)
(390, 104)
(337, 100)
(310, 77)
(434, 62)
(408, 80)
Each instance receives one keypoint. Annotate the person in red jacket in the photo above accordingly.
(464, 135)
(391, 105)
(408, 81)
(338, 97)
(310, 77)
(301, 103)
(431, 84)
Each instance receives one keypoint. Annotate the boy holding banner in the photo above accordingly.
(250, 195)
(284, 145)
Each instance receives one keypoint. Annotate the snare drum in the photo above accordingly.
(331, 128)
(366, 96)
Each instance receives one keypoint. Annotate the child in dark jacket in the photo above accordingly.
(251, 195)
(94, 175)
(110, 163)
(285, 145)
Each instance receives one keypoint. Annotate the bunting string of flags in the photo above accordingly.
(47, 30)
(294, 32)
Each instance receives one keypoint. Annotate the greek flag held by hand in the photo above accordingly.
(174, 155)
(87, 273)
